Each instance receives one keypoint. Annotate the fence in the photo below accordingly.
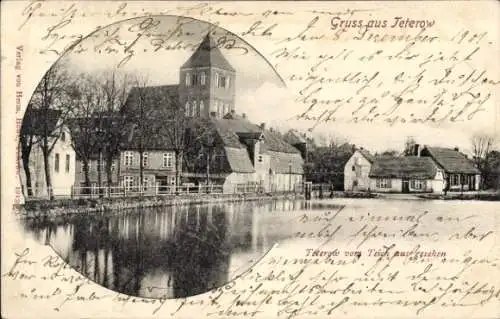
(157, 190)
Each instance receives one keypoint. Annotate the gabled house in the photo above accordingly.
(61, 160)
(356, 171)
(460, 174)
(246, 154)
(407, 174)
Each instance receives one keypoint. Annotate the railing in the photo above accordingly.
(157, 190)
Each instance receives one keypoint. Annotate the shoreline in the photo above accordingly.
(69, 207)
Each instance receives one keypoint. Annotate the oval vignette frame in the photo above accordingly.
(212, 29)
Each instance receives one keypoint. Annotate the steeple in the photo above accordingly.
(207, 82)
(208, 54)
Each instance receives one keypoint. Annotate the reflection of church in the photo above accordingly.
(244, 153)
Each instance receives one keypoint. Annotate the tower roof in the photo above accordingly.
(208, 54)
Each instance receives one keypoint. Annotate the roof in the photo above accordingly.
(34, 121)
(159, 141)
(155, 96)
(284, 163)
(406, 166)
(208, 54)
(273, 141)
(233, 129)
(293, 137)
(239, 161)
(451, 160)
(366, 155)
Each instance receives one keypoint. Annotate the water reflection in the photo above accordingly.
(169, 252)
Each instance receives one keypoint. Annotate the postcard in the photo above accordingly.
(171, 159)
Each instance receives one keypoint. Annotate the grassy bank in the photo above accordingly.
(60, 207)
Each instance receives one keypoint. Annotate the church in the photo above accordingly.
(240, 154)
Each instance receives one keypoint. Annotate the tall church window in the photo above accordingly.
(203, 78)
(187, 110)
(202, 107)
(193, 109)
(188, 79)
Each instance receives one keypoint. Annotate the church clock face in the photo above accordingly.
(144, 114)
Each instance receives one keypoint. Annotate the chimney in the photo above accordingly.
(263, 126)
(416, 150)
(456, 149)
(244, 115)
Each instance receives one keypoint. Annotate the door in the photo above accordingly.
(406, 186)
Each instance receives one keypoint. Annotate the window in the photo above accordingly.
(198, 110)
(168, 159)
(145, 159)
(63, 136)
(128, 182)
(172, 180)
(222, 81)
(56, 164)
(418, 184)
(187, 108)
(113, 167)
(67, 162)
(203, 78)
(260, 158)
(202, 107)
(383, 183)
(145, 183)
(218, 104)
(353, 168)
(193, 109)
(129, 158)
(455, 180)
(188, 79)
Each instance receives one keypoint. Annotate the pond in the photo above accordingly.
(182, 251)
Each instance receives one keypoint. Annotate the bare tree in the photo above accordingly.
(115, 87)
(50, 95)
(27, 140)
(86, 122)
(482, 145)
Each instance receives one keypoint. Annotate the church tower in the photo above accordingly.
(207, 82)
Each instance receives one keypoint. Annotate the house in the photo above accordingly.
(408, 174)
(357, 169)
(427, 169)
(158, 164)
(60, 161)
(460, 174)
(219, 146)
